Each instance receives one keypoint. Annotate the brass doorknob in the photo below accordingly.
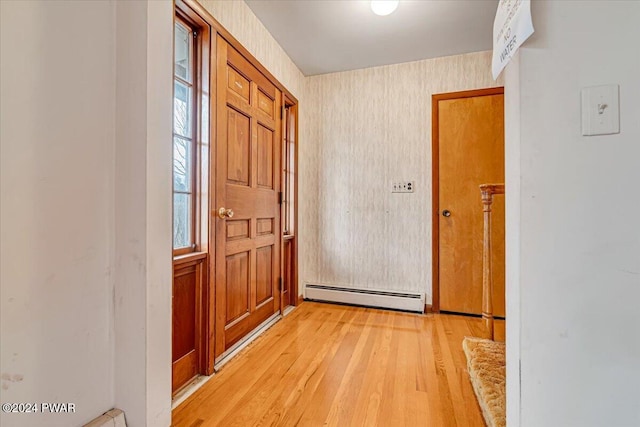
(225, 213)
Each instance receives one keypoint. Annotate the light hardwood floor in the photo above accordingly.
(332, 365)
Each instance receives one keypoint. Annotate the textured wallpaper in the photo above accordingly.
(372, 127)
(359, 131)
(240, 21)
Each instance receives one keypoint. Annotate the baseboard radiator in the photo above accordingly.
(406, 301)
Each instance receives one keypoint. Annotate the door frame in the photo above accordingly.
(198, 257)
(435, 181)
(194, 9)
(294, 299)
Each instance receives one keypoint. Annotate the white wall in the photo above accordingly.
(373, 126)
(579, 210)
(86, 209)
(512, 235)
(143, 245)
(57, 134)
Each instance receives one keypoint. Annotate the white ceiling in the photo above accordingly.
(323, 36)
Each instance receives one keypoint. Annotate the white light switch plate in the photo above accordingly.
(600, 110)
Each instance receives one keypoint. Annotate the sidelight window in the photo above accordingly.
(183, 139)
(289, 158)
(190, 134)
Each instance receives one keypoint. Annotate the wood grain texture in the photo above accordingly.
(488, 191)
(264, 274)
(289, 205)
(264, 158)
(247, 158)
(237, 286)
(344, 366)
(287, 272)
(372, 127)
(238, 19)
(189, 328)
(238, 146)
(469, 139)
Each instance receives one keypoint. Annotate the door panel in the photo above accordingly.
(237, 286)
(288, 273)
(184, 311)
(247, 158)
(470, 153)
(238, 144)
(266, 104)
(265, 226)
(187, 345)
(237, 229)
(264, 276)
(265, 157)
(238, 84)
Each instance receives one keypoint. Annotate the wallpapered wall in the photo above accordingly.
(240, 21)
(372, 127)
(359, 131)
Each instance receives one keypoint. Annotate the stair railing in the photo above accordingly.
(488, 191)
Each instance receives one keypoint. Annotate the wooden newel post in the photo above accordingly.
(487, 191)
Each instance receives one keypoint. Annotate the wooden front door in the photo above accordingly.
(247, 210)
(468, 141)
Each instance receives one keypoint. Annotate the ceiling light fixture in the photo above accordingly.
(384, 7)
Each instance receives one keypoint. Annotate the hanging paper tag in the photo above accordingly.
(512, 26)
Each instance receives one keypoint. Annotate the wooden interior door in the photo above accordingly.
(247, 261)
(468, 151)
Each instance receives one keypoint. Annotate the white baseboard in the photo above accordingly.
(406, 301)
(112, 418)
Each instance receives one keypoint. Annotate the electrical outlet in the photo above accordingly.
(402, 186)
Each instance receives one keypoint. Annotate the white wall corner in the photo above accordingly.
(512, 227)
(144, 37)
(159, 210)
(579, 209)
(113, 418)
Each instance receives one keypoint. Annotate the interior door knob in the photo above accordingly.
(225, 213)
(446, 213)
